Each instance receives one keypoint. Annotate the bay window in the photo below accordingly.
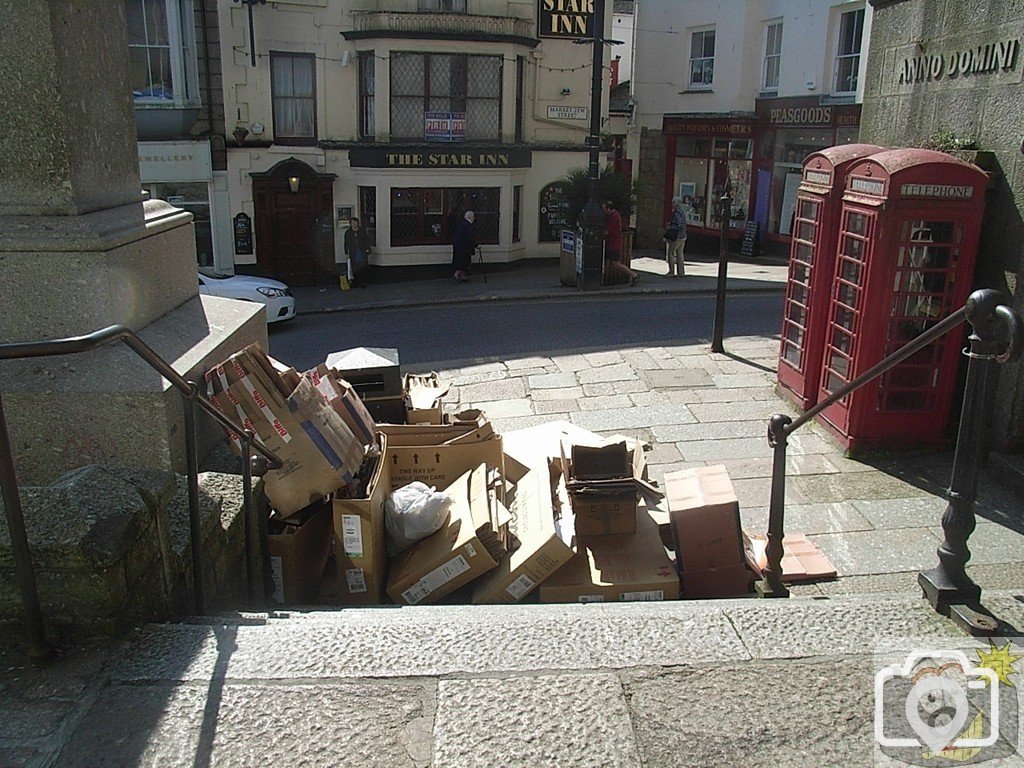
(161, 52)
(429, 215)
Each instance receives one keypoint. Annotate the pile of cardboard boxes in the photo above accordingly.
(551, 513)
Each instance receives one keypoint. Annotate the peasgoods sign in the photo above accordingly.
(982, 59)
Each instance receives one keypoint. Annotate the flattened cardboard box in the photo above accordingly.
(359, 539)
(442, 562)
(541, 552)
(297, 560)
(631, 567)
(438, 455)
(605, 512)
(705, 517)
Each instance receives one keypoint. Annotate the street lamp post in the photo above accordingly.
(591, 217)
(723, 272)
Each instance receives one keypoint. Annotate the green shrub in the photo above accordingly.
(610, 186)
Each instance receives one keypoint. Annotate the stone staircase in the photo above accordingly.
(727, 682)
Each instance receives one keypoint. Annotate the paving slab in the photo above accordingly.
(683, 379)
(435, 641)
(607, 373)
(807, 713)
(628, 418)
(920, 512)
(880, 551)
(710, 449)
(993, 543)
(834, 626)
(503, 409)
(565, 720)
(241, 724)
(837, 517)
(711, 430)
(858, 485)
(552, 381)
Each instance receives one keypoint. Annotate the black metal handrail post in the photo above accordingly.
(718, 331)
(781, 426)
(948, 588)
(39, 649)
(191, 397)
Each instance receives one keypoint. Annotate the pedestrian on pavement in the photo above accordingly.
(463, 246)
(357, 249)
(674, 247)
(613, 265)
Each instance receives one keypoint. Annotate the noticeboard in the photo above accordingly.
(243, 234)
(553, 212)
(749, 245)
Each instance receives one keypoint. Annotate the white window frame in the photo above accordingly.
(691, 83)
(181, 46)
(770, 56)
(840, 56)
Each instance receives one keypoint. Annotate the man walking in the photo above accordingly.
(613, 266)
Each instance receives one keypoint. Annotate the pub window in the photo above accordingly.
(441, 6)
(847, 67)
(367, 91)
(293, 88)
(446, 83)
(161, 51)
(702, 58)
(772, 55)
(368, 212)
(517, 213)
(428, 216)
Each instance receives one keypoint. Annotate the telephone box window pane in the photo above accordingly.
(803, 253)
(848, 294)
(805, 230)
(833, 383)
(799, 273)
(844, 318)
(840, 366)
(850, 271)
(853, 248)
(842, 341)
(808, 210)
(798, 293)
(856, 223)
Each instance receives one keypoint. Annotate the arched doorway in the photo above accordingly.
(294, 223)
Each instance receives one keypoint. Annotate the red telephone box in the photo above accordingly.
(811, 265)
(908, 241)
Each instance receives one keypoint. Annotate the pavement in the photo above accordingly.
(702, 683)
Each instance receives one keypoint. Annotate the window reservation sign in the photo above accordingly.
(566, 18)
(444, 126)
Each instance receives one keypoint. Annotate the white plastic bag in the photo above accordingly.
(413, 512)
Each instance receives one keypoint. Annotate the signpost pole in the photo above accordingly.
(591, 218)
(723, 273)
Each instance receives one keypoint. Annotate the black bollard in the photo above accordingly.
(723, 270)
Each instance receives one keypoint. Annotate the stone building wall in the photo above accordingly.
(952, 71)
(650, 215)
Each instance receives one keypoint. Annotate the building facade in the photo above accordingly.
(405, 114)
(736, 94)
(948, 74)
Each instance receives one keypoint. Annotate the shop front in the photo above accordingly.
(703, 155)
(788, 130)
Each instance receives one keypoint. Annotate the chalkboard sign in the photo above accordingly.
(553, 211)
(243, 234)
(749, 247)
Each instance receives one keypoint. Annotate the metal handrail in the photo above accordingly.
(993, 323)
(39, 647)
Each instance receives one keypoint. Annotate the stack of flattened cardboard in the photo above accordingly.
(463, 549)
(711, 550)
(602, 482)
(423, 393)
(376, 375)
(319, 450)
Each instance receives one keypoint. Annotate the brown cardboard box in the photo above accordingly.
(341, 396)
(705, 519)
(729, 581)
(319, 451)
(298, 559)
(607, 504)
(438, 455)
(441, 563)
(541, 552)
(615, 568)
(359, 539)
(423, 393)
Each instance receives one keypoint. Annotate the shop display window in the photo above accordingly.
(428, 216)
(703, 166)
(193, 197)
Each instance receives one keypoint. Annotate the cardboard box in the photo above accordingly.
(705, 516)
(319, 451)
(632, 567)
(423, 393)
(453, 556)
(729, 581)
(298, 559)
(601, 481)
(340, 395)
(540, 551)
(438, 455)
(359, 539)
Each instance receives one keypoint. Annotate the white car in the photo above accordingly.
(275, 295)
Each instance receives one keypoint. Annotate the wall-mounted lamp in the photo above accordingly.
(566, 91)
(240, 133)
(293, 183)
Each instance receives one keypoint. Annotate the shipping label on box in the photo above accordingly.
(705, 517)
(359, 539)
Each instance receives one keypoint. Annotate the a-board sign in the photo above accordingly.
(243, 234)
(749, 246)
(553, 212)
